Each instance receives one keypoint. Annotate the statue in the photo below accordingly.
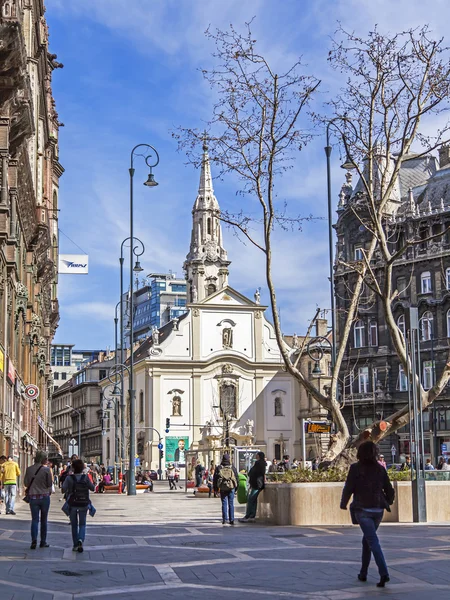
(194, 294)
(155, 335)
(176, 406)
(295, 341)
(227, 337)
(248, 427)
(206, 430)
(175, 323)
(257, 297)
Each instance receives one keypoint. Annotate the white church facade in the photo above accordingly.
(218, 364)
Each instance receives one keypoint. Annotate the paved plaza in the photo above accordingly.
(171, 545)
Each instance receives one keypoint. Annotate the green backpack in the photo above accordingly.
(227, 479)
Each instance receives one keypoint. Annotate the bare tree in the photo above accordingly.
(392, 86)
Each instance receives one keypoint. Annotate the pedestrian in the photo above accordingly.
(8, 474)
(77, 486)
(256, 479)
(315, 464)
(38, 483)
(226, 482)
(429, 466)
(170, 474)
(274, 466)
(441, 463)
(372, 493)
(445, 467)
(406, 466)
(199, 470)
(285, 464)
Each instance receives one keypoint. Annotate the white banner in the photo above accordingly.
(77, 264)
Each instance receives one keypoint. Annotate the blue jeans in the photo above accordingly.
(10, 496)
(252, 503)
(369, 523)
(39, 509)
(227, 505)
(78, 522)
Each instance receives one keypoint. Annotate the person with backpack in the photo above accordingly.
(226, 482)
(76, 488)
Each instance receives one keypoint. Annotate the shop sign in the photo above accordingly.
(317, 427)
(2, 360)
(176, 448)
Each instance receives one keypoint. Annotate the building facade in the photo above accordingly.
(29, 172)
(66, 360)
(375, 384)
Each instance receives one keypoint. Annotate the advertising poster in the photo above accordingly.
(176, 447)
(2, 360)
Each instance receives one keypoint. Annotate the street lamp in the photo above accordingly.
(348, 165)
(151, 158)
(137, 251)
(117, 371)
(116, 421)
(78, 412)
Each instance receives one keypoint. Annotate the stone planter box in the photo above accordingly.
(318, 503)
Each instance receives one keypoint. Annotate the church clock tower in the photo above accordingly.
(206, 265)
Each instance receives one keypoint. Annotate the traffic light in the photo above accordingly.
(167, 425)
(161, 454)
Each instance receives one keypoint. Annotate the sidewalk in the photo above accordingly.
(172, 545)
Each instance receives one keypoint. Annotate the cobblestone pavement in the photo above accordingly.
(172, 545)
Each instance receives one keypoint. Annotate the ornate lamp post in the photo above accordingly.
(151, 158)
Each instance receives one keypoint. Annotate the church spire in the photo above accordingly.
(206, 264)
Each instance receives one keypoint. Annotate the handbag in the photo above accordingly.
(26, 498)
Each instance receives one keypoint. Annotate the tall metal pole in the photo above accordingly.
(122, 397)
(116, 405)
(79, 432)
(330, 249)
(131, 484)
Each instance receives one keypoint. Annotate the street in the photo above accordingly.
(173, 545)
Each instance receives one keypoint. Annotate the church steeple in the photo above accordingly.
(206, 265)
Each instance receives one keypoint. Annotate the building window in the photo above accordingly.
(228, 398)
(358, 253)
(63, 376)
(426, 326)
(428, 379)
(108, 449)
(426, 282)
(278, 406)
(401, 287)
(363, 380)
(208, 225)
(56, 375)
(277, 451)
(211, 289)
(141, 406)
(401, 325)
(102, 374)
(447, 279)
(402, 381)
(359, 334)
(373, 333)
(67, 357)
(176, 406)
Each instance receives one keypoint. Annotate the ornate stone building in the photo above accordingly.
(374, 382)
(29, 172)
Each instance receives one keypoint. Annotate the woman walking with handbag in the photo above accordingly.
(38, 482)
(372, 491)
(256, 479)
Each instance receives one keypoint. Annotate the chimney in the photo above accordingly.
(444, 156)
(321, 327)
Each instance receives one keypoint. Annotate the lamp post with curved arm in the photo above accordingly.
(116, 426)
(136, 250)
(348, 165)
(151, 157)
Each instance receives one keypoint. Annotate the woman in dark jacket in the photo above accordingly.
(256, 479)
(372, 492)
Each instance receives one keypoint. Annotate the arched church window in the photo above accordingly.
(228, 400)
(208, 226)
(278, 407)
(211, 289)
(176, 406)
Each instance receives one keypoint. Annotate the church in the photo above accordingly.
(216, 372)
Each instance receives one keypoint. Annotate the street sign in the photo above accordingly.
(317, 427)
(160, 446)
(73, 446)
(443, 448)
(393, 450)
(137, 462)
(32, 391)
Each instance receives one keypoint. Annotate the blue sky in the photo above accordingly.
(131, 75)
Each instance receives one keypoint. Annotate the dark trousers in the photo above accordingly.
(369, 523)
(227, 499)
(39, 508)
(252, 503)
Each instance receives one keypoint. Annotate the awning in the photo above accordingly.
(57, 446)
(30, 440)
